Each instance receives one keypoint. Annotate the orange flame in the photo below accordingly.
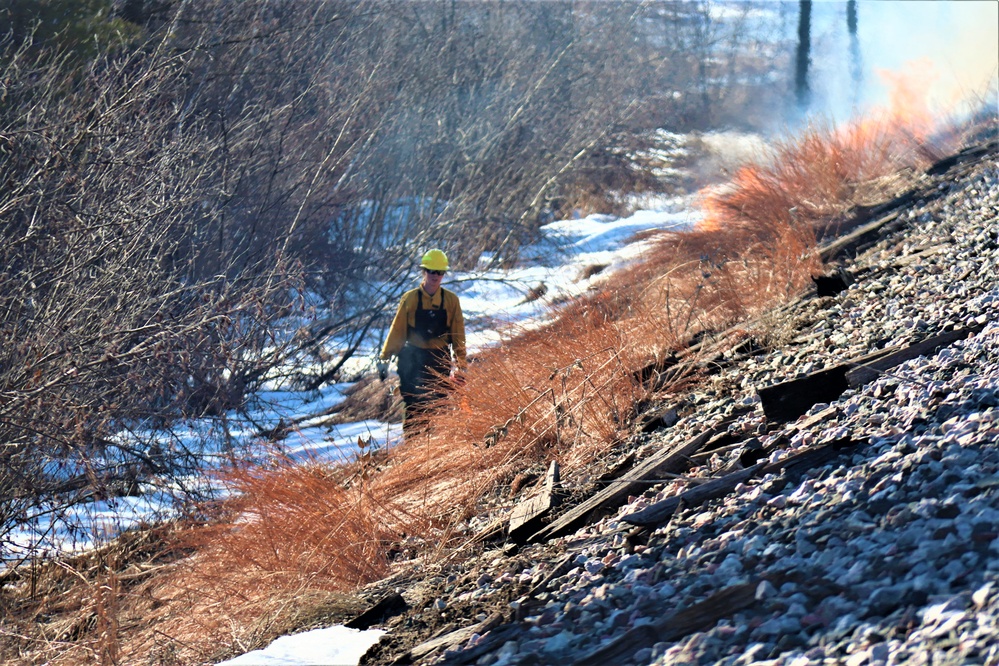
(820, 166)
(908, 98)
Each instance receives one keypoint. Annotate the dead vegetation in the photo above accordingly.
(817, 178)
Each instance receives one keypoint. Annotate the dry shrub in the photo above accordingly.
(338, 530)
(70, 616)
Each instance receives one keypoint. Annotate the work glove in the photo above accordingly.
(382, 370)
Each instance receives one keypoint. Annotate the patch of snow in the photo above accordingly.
(334, 646)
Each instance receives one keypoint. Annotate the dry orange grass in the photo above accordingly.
(817, 177)
(298, 525)
(567, 391)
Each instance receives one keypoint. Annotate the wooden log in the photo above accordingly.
(698, 617)
(671, 460)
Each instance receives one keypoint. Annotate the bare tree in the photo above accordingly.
(802, 89)
(108, 317)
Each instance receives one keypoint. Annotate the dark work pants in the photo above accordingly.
(420, 373)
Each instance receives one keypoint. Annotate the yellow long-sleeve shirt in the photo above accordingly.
(405, 318)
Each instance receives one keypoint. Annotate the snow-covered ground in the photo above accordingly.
(333, 645)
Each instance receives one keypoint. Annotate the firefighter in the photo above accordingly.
(428, 336)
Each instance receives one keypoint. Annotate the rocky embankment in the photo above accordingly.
(864, 531)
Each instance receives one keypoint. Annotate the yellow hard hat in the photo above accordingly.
(434, 260)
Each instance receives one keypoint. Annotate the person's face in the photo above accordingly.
(432, 280)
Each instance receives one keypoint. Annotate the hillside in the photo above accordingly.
(852, 517)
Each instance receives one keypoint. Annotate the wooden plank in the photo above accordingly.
(527, 516)
(493, 530)
(698, 617)
(864, 372)
(656, 513)
(389, 606)
(833, 282)
(563, 565)
(491, 641)
(669, 460)
(659, 512)
(967, 154)
(455, 637)
(788, 400)
(888, 213)
(861, 234)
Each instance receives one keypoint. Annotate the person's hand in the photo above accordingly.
(382, 370)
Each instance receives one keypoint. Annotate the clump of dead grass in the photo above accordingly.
(82, 609)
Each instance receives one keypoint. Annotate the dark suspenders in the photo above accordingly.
(430, 323)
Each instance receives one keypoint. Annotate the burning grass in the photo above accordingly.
(819, 176)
